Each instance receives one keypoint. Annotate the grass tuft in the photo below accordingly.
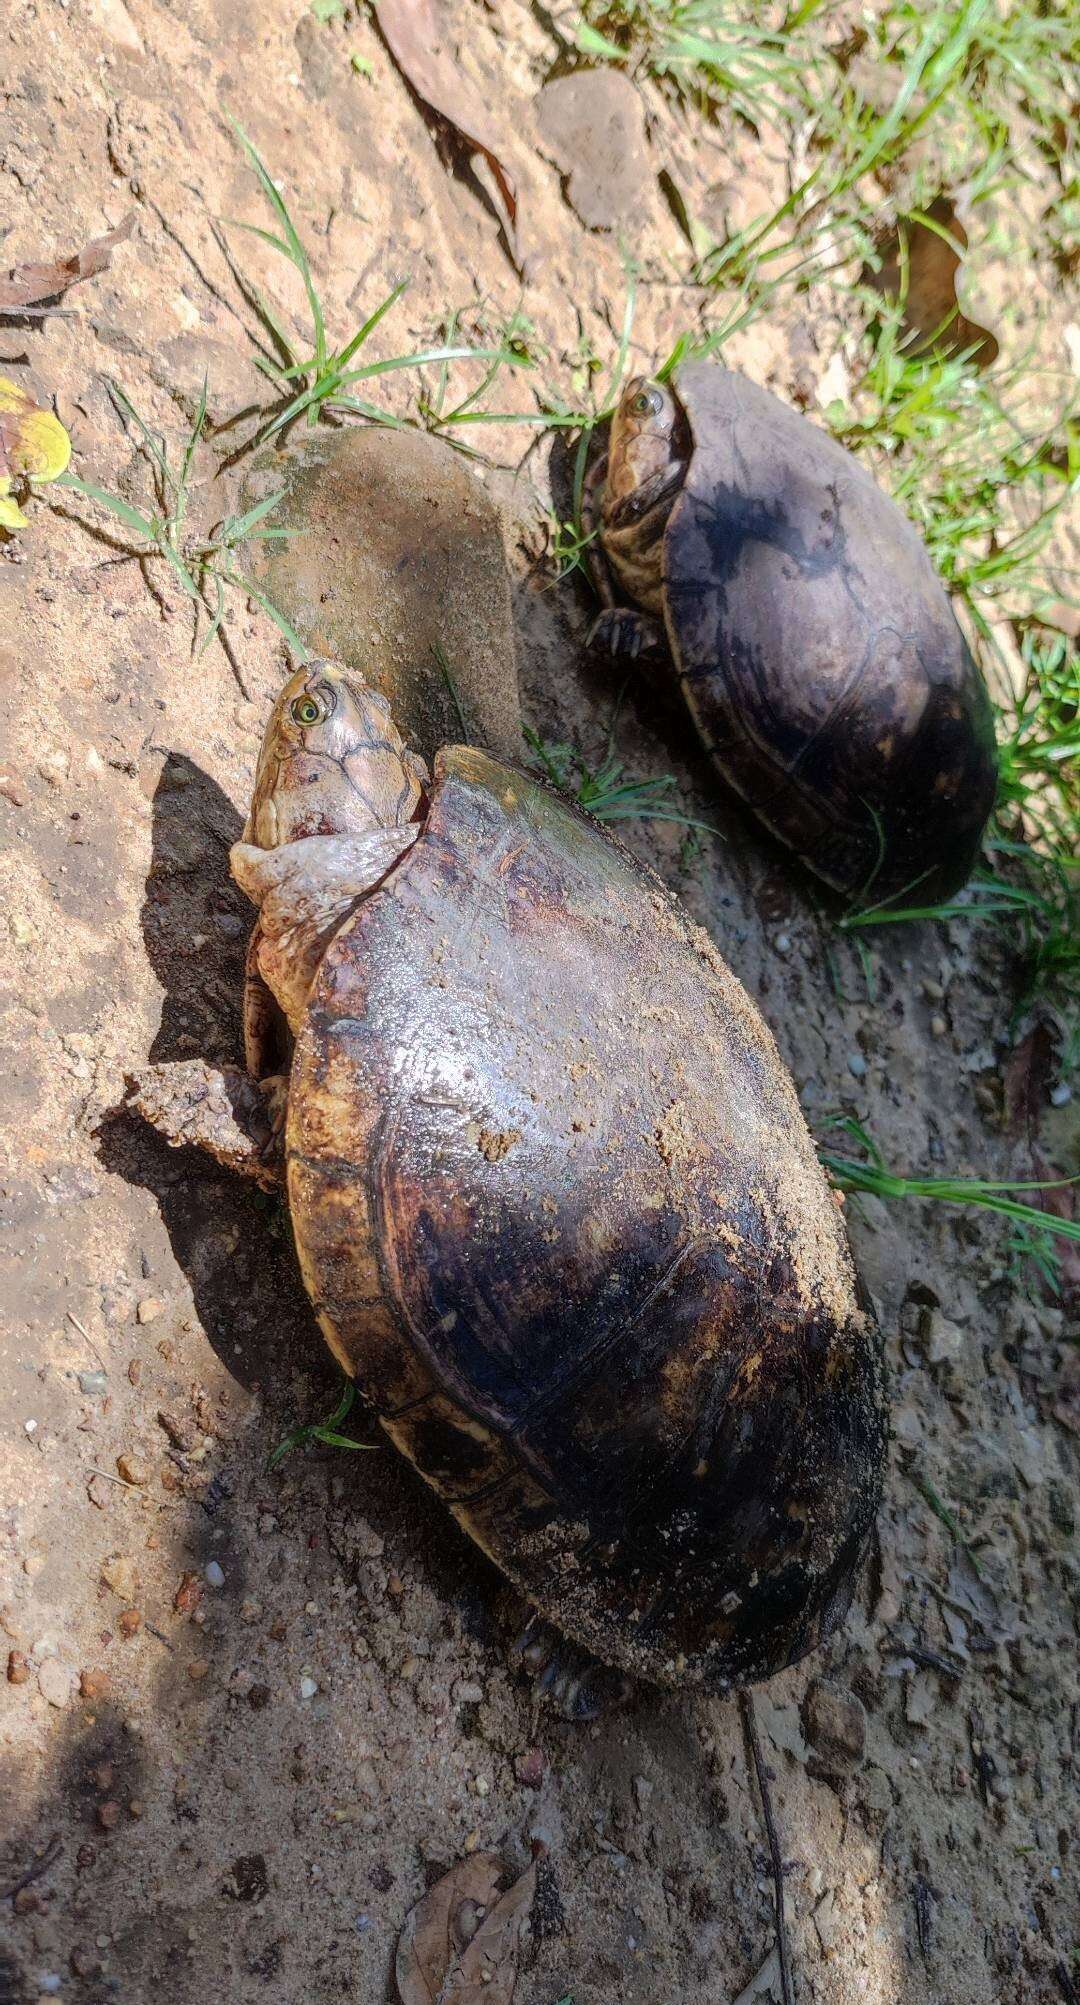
(327, 1432)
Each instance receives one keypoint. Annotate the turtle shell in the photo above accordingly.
(817, 650)
(559, 1214)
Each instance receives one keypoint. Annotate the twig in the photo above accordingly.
(87, 1338)
(34, 1872)
(746, 1713)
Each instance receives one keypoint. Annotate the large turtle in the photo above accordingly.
(811, 637)
(552, 1193)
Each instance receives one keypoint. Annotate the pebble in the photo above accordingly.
(55, 1681)
(782, 943)
(133, 1471)
(1060, 1095)
(856, 1065)
(197, 1669)
(149, 1309)
(95, 1684)
(18, 1670)
(308, 1688)
(467, 1693)
(108, 1816)
(834, 1723)
(119, 1574)
(529, 1768)
(130, 1622)
(95, 1384)
(938, 1026)
(215, 1576)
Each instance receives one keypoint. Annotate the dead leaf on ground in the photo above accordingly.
(33, 447)
(26, 285)
(461, 1944)
(416, 36)
(1027, 1079)
(932, 309)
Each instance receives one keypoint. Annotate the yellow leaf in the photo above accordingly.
(11, 515)
(33, 444)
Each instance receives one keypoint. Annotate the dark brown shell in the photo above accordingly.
(558, 1211)
(818, 653)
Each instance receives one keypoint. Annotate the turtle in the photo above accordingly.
(552, 1196)
(810, 636)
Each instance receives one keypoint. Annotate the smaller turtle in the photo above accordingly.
(811, 638)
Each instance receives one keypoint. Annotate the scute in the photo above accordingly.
(615, 1318)
(818, 652)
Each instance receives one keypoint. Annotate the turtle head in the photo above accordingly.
(646, 443)
(332, 762)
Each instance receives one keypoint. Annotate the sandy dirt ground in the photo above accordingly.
(250, 1717)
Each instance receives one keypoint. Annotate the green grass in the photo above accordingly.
(323, 378)
(327, 1432)
(203, 565)
(706, 51)
(605, 790)
(1033, 1230)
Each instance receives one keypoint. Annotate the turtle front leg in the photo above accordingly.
(624, 634)
(238, 1120)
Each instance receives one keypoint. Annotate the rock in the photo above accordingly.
(198, 1669)
(592, 124)
(119, 1574)
(308, 1687)
(468, 1694)
(188, 1595)
(321, 55)
(18, 1670)
(834, 1723)
(215, 1576)
(529, 1768)
(182, 364)
(942, 1340)
(920, 1697)
(56, 1681)
(95, 1384)
(99, 1491)
(95, 1685)
(133, 1471)
(108, 1816)
(149, 1309)
(130, 1622)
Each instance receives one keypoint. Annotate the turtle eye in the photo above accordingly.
(312, 707)
(648, 403)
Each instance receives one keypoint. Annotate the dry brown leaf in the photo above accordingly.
(28, 284)
(932, 307)
(416, 37)
(460, 1944)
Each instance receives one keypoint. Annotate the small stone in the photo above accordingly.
(308, 1688)
(856, 1065)
(95, 1384)
(18, 1670)
(1061, 1094)
(135, 1809)
(26, 1901)
(943, 1341)
(467, 1693)
(198, 1669)
(55, 1681)
(834, 1723)
(938, 1026)
(133, 1471)
(130, 1622)
(933, 991)
(119, 1574)
(95, 1685)
(100, 1491)
(527, 1769)
(150, 1308)
(215, 1574)
(134, 1370)
(782, 943)
(251, 1610)
(188, 1595)
(108, 1816)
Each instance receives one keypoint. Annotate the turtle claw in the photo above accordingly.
(238, 1120)
(624, 634)
(571, 1682)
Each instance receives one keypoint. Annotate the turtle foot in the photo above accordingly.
(238, 1120)
(566, 1678)
(623, 634)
